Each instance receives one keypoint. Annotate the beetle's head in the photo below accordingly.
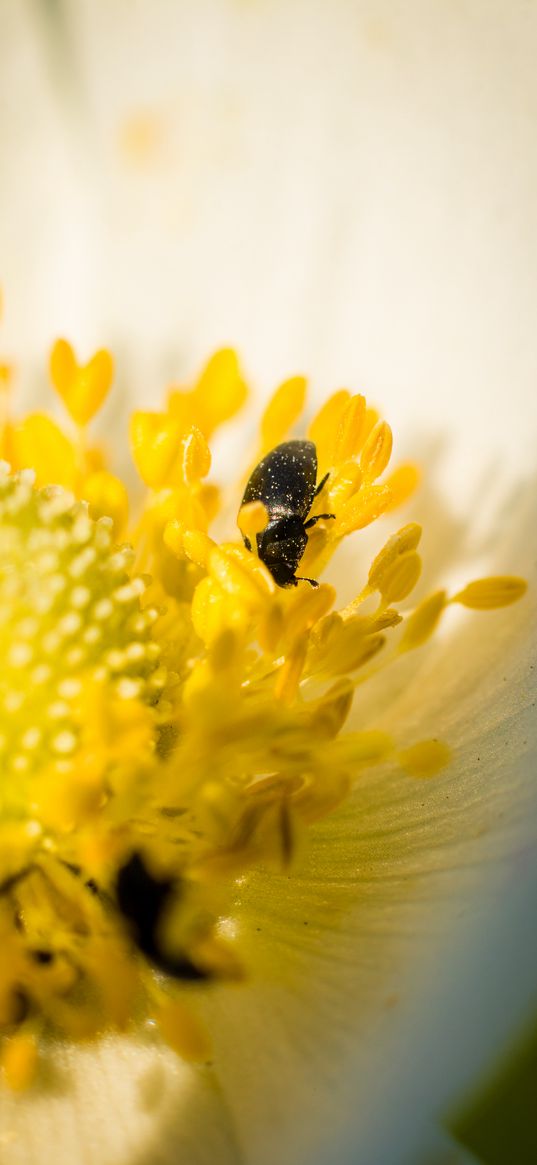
(281, 546)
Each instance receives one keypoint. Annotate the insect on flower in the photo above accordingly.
(167, 721)
(142, 900)
(285, 482)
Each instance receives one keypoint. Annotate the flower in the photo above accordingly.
(166, 735)
(375, 205)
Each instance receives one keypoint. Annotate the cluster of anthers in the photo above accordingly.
(170, 713)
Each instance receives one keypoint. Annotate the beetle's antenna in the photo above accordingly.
(318, 518)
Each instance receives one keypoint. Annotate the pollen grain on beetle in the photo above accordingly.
(171, 703)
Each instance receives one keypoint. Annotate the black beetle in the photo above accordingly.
(142, 900)
(285, 482)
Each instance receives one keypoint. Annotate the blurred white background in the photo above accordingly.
(344, 188)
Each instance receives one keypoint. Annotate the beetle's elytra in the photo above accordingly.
(285, 482)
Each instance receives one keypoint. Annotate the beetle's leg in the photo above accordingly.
(247, 543)
(321, 484)
(318, 518)
(300, 578)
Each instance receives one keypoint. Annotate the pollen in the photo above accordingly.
(176, 709)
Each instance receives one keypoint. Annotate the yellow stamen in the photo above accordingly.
(82, 387)
(402, 483)
(350, 431)
(220, 392)
(252, 520)
(38, 443)
(487, 593)
(282, 411)
(325, 426)
(377, 451)
(19, 1061)
(183, 1031)
(402, 543)
(423, 621)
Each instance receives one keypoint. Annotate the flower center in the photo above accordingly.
(70, 614)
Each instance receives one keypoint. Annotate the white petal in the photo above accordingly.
(115, 1103)
(399, 955)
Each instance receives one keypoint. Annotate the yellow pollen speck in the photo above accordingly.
(426, 758)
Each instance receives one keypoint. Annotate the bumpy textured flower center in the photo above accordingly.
(69, 613)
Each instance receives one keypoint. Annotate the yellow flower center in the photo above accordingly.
(69, 612)
(148, 761)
